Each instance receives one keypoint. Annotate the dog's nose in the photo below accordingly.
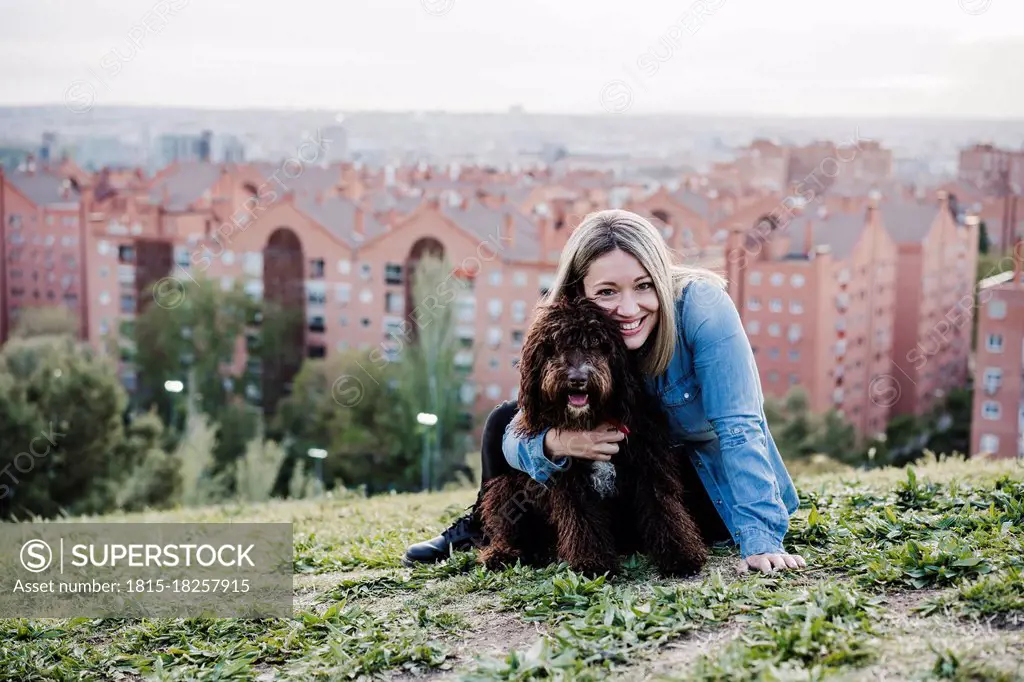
(577, 377)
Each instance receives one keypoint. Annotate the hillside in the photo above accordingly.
(912, 574)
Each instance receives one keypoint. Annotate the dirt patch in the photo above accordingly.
(677, 657)
(491, 635)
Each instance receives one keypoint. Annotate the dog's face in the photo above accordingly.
(574, 367)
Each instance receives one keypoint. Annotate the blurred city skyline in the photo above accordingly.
(952, 58)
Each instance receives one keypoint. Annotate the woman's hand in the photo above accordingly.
(599, 444)
(769, 563)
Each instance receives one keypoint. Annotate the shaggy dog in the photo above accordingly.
(576, 374)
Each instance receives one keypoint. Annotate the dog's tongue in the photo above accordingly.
(578, 399)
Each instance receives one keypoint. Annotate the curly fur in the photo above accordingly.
(591, 512)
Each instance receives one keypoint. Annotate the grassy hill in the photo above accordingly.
(912, 574)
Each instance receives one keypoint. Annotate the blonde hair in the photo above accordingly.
(606, 231)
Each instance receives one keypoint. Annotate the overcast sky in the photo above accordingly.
(788, 57)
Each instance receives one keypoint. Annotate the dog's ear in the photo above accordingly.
(531, 372)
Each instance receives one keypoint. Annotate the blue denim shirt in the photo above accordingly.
(712, 395)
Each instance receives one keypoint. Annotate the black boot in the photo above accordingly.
(463, 534)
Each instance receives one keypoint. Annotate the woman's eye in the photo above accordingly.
(644, 286)
(605, 292)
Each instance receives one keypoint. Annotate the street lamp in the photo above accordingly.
(319, 454)
(426, 420)
(174, 386)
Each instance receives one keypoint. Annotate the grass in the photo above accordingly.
(912, 574)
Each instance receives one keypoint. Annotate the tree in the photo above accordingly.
(198, 341)
(431, 382)
(61, 410)
(155, 481)
(46, 321)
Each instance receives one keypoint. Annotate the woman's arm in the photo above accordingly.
(527, 454)
(732, 400)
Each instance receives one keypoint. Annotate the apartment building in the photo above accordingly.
(936, 263)
(997, 417)
(41, 246)
(816, 293)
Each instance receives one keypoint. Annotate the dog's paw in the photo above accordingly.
(497, 559)
(593, 569)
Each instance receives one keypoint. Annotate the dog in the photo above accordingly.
(576, 374)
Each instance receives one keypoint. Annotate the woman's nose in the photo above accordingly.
(628, 306)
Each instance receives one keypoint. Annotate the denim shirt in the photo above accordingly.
(712, 396)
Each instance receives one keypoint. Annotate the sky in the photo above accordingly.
(936, 58)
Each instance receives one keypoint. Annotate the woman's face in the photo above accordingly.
(618, 283)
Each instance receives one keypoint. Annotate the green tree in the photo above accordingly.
(431, 381)
(197, 340)
(61, 408)
(155, 481)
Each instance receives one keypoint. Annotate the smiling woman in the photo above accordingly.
(696, 359)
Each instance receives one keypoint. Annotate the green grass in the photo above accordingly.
(912, 574)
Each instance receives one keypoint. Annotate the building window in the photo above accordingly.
(493, 391)
(989, 443)
(774, 329)
(126, 254)
(519, 278)
(794, 333)
(254, 288)
(365, 295)
(753, 303)
(494, 337)
(394, 303)
(316, 268)
(343, 292)
(991, 409)
(513, 395)
(777, 279)
(773, 377)
(797, 281)
(997, 309)
(494, 278)
(753, 328)
(344, 267)
(316, 351)
(365, 322)
(994, 343)
(519, 311)
(794, 380)
(796, 307)
(494, 308)
(317, 323)
(794, 355)
(392, 273)
(104, 297)
(545, 282)
(252, 264)
(775, 305)
(228, 258)
(127, 303)
(517, 338)
(755, 278)
(465, 309)
(316, 293)
(993, 379)
(773, 353)
(365, 271)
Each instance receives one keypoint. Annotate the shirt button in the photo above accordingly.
(686, 396)
(718, 502)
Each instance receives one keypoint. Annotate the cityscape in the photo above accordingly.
(280, 398)
(854, 282)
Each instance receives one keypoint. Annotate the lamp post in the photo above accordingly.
(319, 455)
(174, 387)
(426, 420)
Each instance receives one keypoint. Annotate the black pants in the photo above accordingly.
(698, 501)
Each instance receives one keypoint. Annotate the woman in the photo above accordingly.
(697, 359)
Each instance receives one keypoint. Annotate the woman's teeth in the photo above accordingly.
(630, 326)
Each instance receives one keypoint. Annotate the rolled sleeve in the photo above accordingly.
(732, 400)
(526, 454)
